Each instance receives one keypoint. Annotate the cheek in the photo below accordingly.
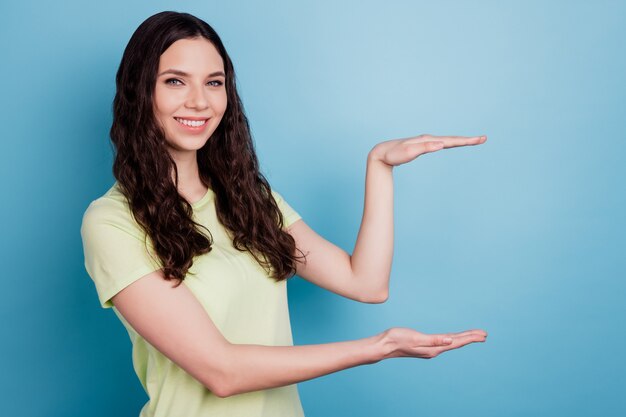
(158, 104)
(223, 102)
(164, 104)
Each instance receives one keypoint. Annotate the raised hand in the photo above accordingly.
(400, 151)
(404, 342)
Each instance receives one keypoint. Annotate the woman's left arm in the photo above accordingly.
(364, 275)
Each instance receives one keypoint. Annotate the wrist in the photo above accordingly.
(374, 158)
(381, 347)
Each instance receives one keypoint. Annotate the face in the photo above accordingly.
(190, 94)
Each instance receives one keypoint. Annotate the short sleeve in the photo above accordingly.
(115, 249)
(289, 214)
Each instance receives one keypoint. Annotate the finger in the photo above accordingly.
(449, 141)
(468, 332)
(434, 146)
(437, 340)
(454, 141)
(458, 342)
(426, 147)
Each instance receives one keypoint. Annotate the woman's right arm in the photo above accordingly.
(174, 322)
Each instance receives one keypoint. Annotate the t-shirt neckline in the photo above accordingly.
(207, 196)
(203, 200)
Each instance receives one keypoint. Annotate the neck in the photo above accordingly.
(189, 181)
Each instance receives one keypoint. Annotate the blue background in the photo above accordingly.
(523, 236)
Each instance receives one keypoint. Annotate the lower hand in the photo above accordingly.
(403, 342)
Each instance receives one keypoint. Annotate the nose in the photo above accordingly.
(197, 98)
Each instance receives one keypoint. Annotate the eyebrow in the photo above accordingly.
(184, 74)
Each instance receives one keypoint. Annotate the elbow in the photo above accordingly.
(381, 297)
(218, 391)
(218, 379)
(376, 298)
(222, 392)
(220, 388)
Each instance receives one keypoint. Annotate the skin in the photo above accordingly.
(198, 93)
(174, 322)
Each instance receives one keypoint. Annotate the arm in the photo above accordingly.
(174, 322)
(373, 251)
(364, 275)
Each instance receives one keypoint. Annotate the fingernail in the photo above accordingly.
(447, 340)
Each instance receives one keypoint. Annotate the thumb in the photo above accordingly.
(433, 146)
(441, 340)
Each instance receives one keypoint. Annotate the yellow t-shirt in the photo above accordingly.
(245, 304)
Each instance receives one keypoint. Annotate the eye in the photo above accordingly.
(173, 81)
(217, 83)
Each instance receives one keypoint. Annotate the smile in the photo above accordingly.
(191, 123)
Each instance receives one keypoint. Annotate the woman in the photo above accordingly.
(192, 248)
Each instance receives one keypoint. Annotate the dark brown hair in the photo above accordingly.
(227, 162)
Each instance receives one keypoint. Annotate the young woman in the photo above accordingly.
(192, 248)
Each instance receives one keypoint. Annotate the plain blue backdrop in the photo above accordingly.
(523, 236)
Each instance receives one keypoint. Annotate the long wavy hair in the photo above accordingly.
(227, 162)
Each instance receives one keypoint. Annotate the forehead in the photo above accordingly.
(191, 55)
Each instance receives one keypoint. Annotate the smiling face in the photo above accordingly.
(190, 94)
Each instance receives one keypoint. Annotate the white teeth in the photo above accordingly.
(192, 123)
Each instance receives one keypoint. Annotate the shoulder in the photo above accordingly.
(277, 196)
(111, 209)
(290, 215)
